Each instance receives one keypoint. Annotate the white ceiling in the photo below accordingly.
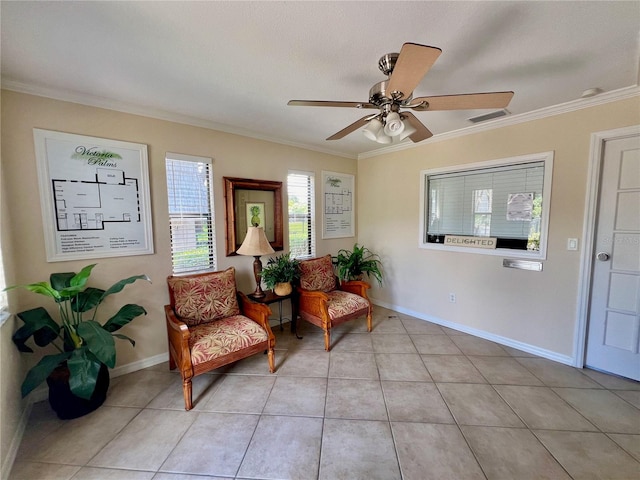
(234, 65)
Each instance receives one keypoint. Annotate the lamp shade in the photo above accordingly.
(255, 243)
(394, 125)
(382, 138)
(372, 129)
(408, 131)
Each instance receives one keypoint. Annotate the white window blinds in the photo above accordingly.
(454, 200)
(302, 236)
(190, 195)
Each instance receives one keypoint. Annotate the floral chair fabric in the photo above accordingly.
(325, 303)
(317, 274)
(342, 303)
(210, 324)
(205, 297)
(212, 340)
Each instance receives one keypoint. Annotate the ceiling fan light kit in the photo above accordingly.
(405, 70)
(407, 132)
(373, 129)
(394, 125)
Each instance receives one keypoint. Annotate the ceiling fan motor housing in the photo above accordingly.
(378, 95)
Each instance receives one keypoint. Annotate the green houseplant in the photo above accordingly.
(83, 345)
(281, 269)
(352, 265)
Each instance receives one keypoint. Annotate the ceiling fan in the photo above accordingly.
(405, 70)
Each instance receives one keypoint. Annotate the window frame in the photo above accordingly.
(545, 157)
(212, 236)
(311, 214)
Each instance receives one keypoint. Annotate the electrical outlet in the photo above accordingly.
(452, 298)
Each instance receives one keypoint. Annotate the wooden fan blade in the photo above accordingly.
(322, 103)
(421, 133)
(464, 101)
(413, 63)
(347, 130)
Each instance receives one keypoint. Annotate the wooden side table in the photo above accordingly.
(271, 297)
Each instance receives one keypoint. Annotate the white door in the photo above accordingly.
(614, 311)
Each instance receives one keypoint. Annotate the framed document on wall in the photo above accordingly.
(338, 205)
(94, 195)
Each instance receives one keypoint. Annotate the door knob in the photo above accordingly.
(603, 256)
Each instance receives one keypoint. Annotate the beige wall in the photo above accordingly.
(11, 367)
(233, 155)
(534, 308)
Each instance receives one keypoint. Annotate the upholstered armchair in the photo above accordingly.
(326, 303)
(211, 324)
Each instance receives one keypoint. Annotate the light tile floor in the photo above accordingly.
(411, 400)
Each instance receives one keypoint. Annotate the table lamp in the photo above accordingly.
(256, 244)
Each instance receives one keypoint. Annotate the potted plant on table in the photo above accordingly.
(77, 374)
(352, 265)
(279, 272)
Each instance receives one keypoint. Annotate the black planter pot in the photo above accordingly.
(65, 403)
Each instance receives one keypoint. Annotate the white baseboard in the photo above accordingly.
(15, 442)
(525, 347)
(139, 365)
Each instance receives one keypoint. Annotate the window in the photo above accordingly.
(190, 192)
(482, 212)
(504, 203)
(302, 234)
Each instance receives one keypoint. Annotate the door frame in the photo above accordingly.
(596, 157)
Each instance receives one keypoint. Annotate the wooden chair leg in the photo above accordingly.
(272, 360)
(369, 321)
(327, 339)
(172, 362)
(187, 391)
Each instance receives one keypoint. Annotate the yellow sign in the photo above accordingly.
(466, 241)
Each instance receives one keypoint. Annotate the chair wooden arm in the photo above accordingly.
(355, 286)
(258, 312)
(178, 334)
(313, 302)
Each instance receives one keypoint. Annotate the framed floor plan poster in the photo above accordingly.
(94, 195)
(337, 205)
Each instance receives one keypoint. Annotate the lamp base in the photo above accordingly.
(257, 273)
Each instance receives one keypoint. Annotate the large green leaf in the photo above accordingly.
(80, 280)
(86, 300)
(41, 371)
(124, 316)
(62, 280)
(118, 286)
(83, 373)
(76, 283)
(99, 342)
(37, 322)
(124, 337)
(43, 288)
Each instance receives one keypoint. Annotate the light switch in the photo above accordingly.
(572, 244)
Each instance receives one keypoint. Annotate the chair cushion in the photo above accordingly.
(221, 337)
(203, 298)
(344, 303)
(317, 274)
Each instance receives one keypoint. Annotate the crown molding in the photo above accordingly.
(145, 111)
(579, 104)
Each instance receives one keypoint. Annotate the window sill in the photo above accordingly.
(4, 316)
